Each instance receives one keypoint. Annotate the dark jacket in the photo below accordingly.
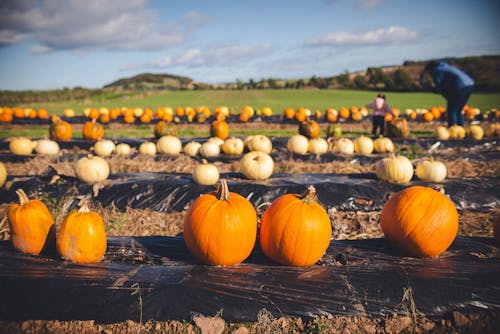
(450, 80)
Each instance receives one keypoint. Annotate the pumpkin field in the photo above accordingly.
(249, 212)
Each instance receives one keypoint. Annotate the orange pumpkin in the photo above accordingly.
(114, 113)
(31, 225)
(436, 112)
(82, 237)
(331, 115)
(428, 116)
(104, 118)
(32, 114)
(42, 114)
(318, 114)
(289, 113)
(179, 111)
(129, 118)
(301, 114)
(94, 113)
(6, 117)
(344, 113)
(18, 112)
(244, 116)
(145, 118)
(309, 128)
(219, 128)
(295, 230)
(92, 131)
(60, 130)
(220, 228)
(420, 221)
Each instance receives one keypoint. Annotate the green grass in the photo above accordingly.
(276, 99)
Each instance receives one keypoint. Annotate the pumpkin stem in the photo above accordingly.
(309, 195)
(23, 198)
(223, 191)
(204, 161)
(84, 204)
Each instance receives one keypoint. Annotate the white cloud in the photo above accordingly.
(92, 24)
(363, 4)
(222, 55)
(39, 49)
(389, 35)
(368, 4)
(8, 36)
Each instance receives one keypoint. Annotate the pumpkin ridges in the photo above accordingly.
(295, 230)
(220, 232)
(420, 221)
(82, 236)
(30, 224)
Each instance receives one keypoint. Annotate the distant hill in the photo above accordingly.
(152, 81)
(485, 70)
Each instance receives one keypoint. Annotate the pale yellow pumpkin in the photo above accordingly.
(298, 144)
(431, 171)
(394, 169)
(257, 165)
(205, 173)
(363, 145)
(92, 169)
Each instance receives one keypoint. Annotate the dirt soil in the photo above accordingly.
(346, 225)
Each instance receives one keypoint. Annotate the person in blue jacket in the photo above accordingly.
(455, 85)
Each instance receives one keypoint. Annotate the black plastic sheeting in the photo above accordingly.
(156, 278)
(173, 192)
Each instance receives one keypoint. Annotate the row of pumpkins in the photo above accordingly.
(202, 113)
(257, 164)
(221, 227)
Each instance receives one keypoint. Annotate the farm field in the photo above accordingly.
(278, 100)
(149, 196)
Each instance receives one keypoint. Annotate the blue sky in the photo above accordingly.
(65, 43)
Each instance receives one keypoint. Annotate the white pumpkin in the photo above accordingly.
(47, 147)
(3, 174)
(92, 169)
(192, 148)
(210, 149)
(363, 145)
(233, 146)
(298, 144)
(475, 132)
(216, 140)
(394, 169)
(343, 146)
(431, 171)
(123, 149)
(457, 132)
(205, 174)
(104, 147)
(383, 145)
(169, 145)
(147, 148)
(318, 146)
(442, 133)
(21, 146)
(259, 143)
(257, 165)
